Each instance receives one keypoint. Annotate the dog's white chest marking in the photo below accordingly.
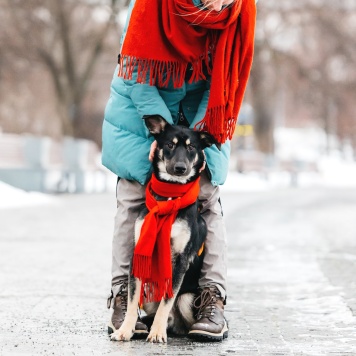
(138, 226)
(180, 235)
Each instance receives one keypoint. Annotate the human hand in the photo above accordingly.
(216, 5)
(152, 150)
(204, 164)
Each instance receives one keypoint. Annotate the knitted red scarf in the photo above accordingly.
(164, 36)
(152, 256)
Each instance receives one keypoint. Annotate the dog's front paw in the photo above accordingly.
(158, 333)
(122, 334)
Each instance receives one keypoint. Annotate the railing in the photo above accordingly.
(43, 164)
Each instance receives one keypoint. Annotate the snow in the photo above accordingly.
(337, 169)
(302, 148)
(337, 173)
(11, 197)
(331, 173)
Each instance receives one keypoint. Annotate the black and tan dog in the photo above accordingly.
(179, 159)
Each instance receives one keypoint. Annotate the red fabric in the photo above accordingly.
(164, 36)
(152, 256)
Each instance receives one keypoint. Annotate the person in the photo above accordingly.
(187, 61)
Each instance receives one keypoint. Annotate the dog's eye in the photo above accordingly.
(170, 145)
(190, 147)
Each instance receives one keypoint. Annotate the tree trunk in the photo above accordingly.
(262, 101)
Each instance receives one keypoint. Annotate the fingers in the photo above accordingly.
(212, 4)
(204, 164)
(152, 150)
(216, 5)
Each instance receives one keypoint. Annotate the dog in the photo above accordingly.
(179, 159)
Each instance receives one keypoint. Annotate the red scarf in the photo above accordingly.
(152, 256)
(164, 36)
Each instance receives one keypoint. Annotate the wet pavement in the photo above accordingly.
(292, 277)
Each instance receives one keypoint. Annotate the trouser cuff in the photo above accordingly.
(115, 290)
(220, 288)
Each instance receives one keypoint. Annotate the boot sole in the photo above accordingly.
(206, 336)
(138, 334)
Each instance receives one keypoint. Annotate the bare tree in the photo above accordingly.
(304, 67)
(308, 49)
(64, 37)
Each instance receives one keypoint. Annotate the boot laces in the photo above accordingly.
(123, 296)
(206, 303)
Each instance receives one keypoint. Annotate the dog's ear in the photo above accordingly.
(155, 124)
(208, 140)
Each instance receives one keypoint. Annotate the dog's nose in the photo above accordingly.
(180, 168)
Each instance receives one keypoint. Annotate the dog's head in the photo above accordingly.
(179, 156)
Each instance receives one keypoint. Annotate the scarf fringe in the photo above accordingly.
(155, 291)
(214, 123)
(198, 68)
(141, 266)
(155, 72)
(160, 73)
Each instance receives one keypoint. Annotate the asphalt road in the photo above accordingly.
(292, 277)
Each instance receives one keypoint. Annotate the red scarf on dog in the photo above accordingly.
(152, 256)
(165, 36)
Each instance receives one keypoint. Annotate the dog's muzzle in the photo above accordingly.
(180, 168)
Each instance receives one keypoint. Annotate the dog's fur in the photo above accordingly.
(179, 158)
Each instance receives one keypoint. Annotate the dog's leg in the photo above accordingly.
(158, 332)
(127, 328)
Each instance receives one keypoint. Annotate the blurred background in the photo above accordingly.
(289, 200)
(297, 127)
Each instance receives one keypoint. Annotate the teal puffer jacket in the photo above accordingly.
(126, 140)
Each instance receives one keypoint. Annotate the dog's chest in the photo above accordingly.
(180, 234)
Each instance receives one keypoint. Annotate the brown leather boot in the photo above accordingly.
(118, 315)
(211, 324)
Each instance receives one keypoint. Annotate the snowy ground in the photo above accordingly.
(291, 276)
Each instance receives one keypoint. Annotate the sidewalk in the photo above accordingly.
(292, 285)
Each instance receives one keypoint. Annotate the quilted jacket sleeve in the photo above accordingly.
(147, 100)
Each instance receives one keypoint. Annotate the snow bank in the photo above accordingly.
(305, 146)
(331, 173)
(337, 173)
(11, 197)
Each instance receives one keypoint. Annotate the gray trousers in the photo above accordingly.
(131, 198)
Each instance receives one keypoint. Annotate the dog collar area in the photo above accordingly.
(161, 197)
